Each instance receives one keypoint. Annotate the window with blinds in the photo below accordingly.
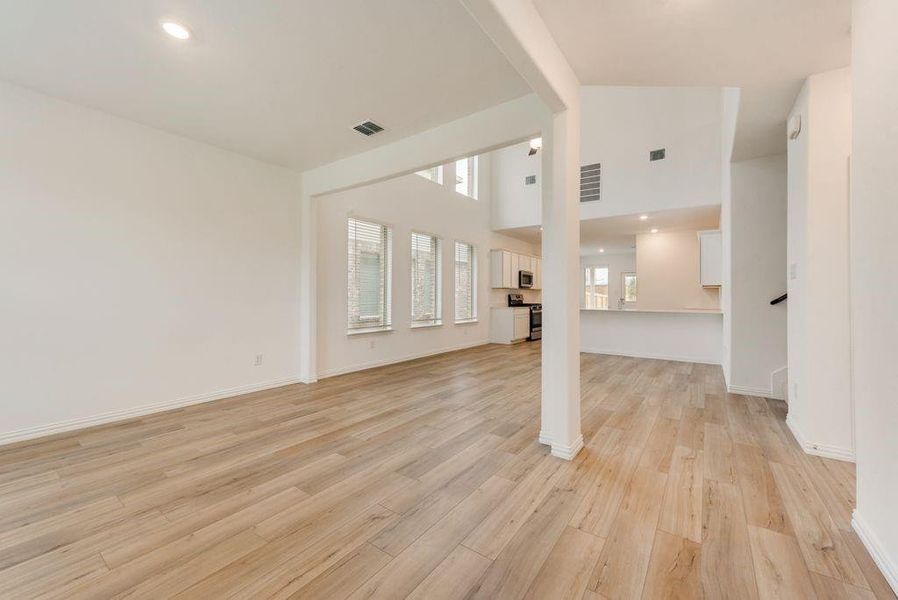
(425, 280)
(465, 282)
(466, 176)
(369, 275)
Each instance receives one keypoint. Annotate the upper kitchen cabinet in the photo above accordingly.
(505, 267)
(710, 257)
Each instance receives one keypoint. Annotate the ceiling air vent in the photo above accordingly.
(659, 154)
(591, 182)
(529, 179)
(368, 128)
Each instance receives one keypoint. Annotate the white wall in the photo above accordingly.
(819, 337)
(690, 337)
(874, 280)
(758, 343)
(139, 268)
(515, 204)
(667, 271)
(405, 203)
(729, 108)
(617, 264)
(620, 125)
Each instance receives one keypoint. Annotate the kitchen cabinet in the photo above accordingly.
(505, 265)
(509, 325)
(710, 244)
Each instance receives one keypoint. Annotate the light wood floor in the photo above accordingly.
(425, 480)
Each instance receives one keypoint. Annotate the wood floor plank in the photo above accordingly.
(674, 569)
(565, 574)
(779, 567)
(681, 511)
(727, 567)
(453, 578)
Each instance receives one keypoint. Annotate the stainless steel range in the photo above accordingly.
(536, 315)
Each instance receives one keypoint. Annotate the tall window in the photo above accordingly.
(426, 276)
(628, 281)
(434, 174)
(466, 176)
(465, 282)
(595, 287)
(370, 264)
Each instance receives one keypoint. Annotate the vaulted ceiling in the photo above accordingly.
(281, 81)
(766, 47)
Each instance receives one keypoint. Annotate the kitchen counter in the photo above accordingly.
(674, 311)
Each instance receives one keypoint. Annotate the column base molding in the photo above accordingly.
(568, 452)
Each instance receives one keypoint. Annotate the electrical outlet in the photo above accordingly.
(258, 360)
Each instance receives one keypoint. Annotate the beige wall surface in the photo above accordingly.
(667, 267)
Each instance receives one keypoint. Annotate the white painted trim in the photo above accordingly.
(815, 449)
(747, 390)
(392, 361)
(20, 435)
(693, 359)
(568, 452)
(888, 567)
(544, 438)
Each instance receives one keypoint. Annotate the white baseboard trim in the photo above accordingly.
(888, 567)
(746, 390)
(392, 361)
(20, 435)
(568, 452)
(679, 358)
(824, 450)
(544, 438)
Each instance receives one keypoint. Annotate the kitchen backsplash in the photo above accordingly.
(499, 297)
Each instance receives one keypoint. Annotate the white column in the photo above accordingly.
(308, 290)
(561, 284)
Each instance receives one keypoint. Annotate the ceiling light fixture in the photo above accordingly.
(176, 30)
(601, 250)
(654, 231)
(643, 217)
(536, 144)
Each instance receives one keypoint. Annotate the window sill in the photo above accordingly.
(467, 321)
(369, 330)
(425, 325)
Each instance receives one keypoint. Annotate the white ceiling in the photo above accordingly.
(282, 81)
(618, 234)
(767, 47)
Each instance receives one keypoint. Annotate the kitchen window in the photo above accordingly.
(628, 285)
(369, 276)
(425, 280)
(595, 287)
(465, 282)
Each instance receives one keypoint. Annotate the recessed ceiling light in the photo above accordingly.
(535, 145)
(176, 30)
(601, 250)
(654, 231)
(643, 217)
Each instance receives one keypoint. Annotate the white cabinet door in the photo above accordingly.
(525, 263)
(515, 267)
(495, 269)
(521, 323)
(710, 258)
(506, 269)
(537, 273)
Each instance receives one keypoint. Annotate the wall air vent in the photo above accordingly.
(368, 128)
(529, 179)
(591, 182)
(657, 154)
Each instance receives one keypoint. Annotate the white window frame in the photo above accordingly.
(589, 294)
(434, 174)
(472, 318)
(470, 164)
(383, 321)
(437, 316)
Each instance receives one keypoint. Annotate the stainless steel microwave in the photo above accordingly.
(525, 279)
